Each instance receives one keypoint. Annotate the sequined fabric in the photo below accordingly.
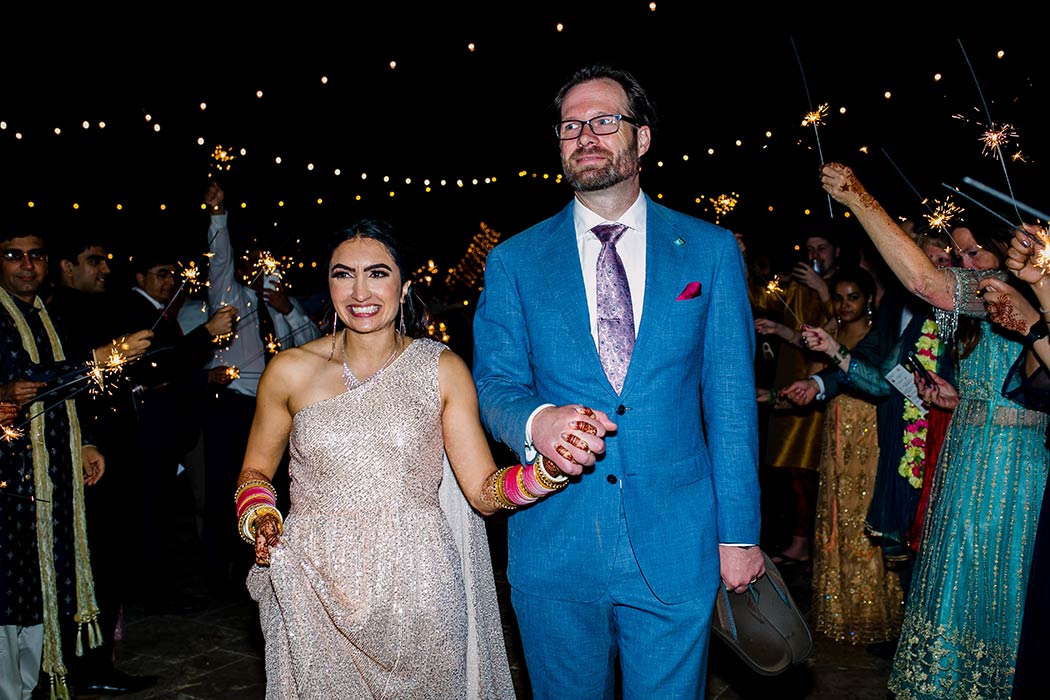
(382, 569)
(855, 598)
(962, 622)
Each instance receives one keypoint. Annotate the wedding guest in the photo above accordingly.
(962, 620)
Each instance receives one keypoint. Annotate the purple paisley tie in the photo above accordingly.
(615, 311)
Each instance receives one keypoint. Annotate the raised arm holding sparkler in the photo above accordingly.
(989, 477)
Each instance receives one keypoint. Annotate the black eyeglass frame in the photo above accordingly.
(18, 255)
(619, 118)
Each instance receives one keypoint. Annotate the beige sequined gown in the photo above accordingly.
(382, 586)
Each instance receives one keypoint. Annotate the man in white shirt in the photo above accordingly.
(270, 319)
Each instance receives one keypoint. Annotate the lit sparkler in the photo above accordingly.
(943, 215)
(272, 344)
(994, 138)
(773, 287)
(221, 158)
(233, 372)
(723, 204)
(10, 433)
(816, 117)
(191, 275)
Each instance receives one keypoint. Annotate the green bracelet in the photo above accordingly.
(842, 354)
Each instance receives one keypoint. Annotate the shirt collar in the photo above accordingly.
(147, 297)
(585, 219)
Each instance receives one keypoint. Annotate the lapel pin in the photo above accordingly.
(679, 241)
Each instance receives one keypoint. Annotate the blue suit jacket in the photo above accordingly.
(685, 453)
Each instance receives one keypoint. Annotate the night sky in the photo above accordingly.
(448, 113)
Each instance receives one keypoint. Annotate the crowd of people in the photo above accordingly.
(900, 378)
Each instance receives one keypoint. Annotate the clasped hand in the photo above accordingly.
(570, 436)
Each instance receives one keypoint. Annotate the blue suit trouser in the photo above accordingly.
(572, 648)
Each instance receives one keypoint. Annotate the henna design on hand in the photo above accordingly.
(1002, 312)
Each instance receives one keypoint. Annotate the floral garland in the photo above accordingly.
(913, 463)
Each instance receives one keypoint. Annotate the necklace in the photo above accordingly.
(350, 380)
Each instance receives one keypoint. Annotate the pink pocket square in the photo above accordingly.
(691, 291)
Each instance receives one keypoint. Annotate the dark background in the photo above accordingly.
(717, 76)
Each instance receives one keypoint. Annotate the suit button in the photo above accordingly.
(621, 409)
(611, 479)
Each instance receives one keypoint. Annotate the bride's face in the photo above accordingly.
(365, 285)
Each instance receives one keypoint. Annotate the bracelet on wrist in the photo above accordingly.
(1038, 331)
(841, 354)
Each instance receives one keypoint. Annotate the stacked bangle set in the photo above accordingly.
(521, 485)
(255, 498)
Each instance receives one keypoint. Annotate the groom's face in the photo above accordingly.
(591, 162)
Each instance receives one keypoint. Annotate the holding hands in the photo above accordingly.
(570, 436)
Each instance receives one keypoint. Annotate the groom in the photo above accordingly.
(616, 340)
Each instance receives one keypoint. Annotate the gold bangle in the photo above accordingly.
(497, 490)
(544, 467)
(254, 482)
(246, 525)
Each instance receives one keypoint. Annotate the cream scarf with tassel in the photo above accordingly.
(87, 608)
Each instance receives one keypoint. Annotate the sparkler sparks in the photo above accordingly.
(268, 265)
(1041, 258)
(773, 287)
(10, 433)
(233, 372)
(995, 138)
(221, 159)
(816, 117)
(272, 344)
(943, 215)
(723, 204)
(191, 276)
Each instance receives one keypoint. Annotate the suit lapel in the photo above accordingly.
(665, 253)
(559, 260)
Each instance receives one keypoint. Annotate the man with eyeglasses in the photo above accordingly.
(47, 599)
(599, 335)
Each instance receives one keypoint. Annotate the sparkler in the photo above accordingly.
(1009, 199)
(941, 216)
(191, 275)
(814, 116)
(723, 204)
(982, 206)
(10, 433)
(174, 296)
(773, 287)
(221, 159)
(994, 138)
